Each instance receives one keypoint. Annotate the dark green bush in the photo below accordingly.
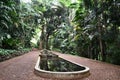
(7, 54)
(10, 43)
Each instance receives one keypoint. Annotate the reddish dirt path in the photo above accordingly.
(22, 68)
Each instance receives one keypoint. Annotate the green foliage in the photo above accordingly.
(51, 20)
(66, 2)
(97, 29)
(8, 53)
(10, 43)
(18, 20)
(64, 39)
(6, 16)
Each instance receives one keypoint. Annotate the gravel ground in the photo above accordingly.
(22, 68)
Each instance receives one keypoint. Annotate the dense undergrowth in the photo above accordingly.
(7, 53)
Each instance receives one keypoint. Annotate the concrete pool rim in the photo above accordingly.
(61, 75)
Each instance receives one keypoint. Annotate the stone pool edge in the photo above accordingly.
(61, 75)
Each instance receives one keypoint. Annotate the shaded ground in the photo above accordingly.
(22, 68)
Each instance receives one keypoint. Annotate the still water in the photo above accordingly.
(59, 65)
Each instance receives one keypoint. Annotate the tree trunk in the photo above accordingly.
(47, 44)
(102, 44)
(41, 44)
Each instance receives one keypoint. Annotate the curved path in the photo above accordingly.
(22, 68)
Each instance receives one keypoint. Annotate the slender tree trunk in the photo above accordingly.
(102, 44)
(47, 43)
(41, 44)
(89, 52)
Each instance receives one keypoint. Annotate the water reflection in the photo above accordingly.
(59, 65)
